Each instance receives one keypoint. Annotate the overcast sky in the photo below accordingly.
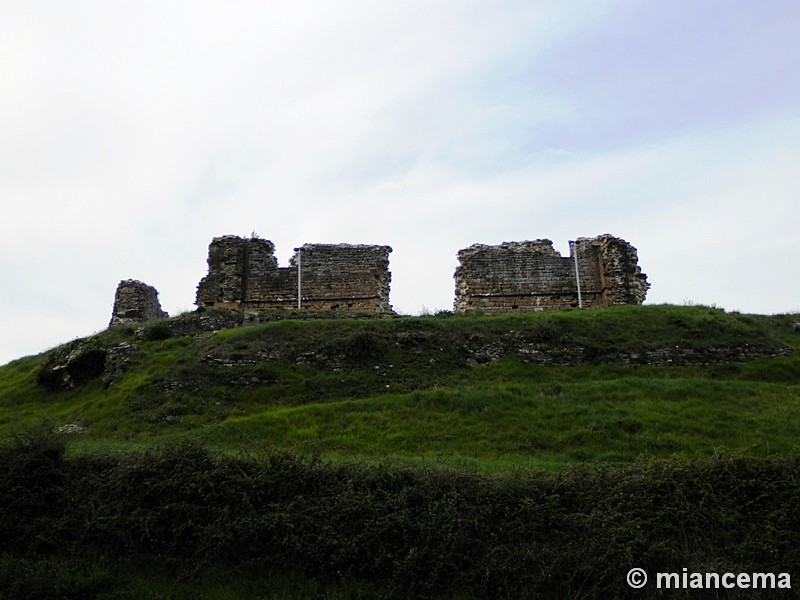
(132, 133)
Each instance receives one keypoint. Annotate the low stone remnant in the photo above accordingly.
(71, 428)
(84, 360)
(73, 364)
(117, 361)
(531, 276)
(243, 273)
(135, 302)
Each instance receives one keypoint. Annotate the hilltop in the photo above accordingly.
(536, 389)
(226, 454)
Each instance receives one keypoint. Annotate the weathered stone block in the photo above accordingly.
(135, 302)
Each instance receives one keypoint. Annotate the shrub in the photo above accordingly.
(415, 531)
(51, 579)
(363, 346)
(156, 332)
(32, 478)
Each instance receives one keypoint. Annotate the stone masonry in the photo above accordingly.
(532, 276)
(243, 273)
(135, 302)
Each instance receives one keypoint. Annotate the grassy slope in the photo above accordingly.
(463, 390)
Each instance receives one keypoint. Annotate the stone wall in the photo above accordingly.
(244, 273)
(135, 302)
(531, 276)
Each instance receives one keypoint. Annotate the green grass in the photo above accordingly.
(662, 433)
(519, 424)
(489, 393)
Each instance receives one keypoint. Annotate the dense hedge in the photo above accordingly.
(416, 532)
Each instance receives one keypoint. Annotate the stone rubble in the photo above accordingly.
(117, 361)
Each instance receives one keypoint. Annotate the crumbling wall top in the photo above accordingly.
(531, 275)
(243, 273)
(543, 246)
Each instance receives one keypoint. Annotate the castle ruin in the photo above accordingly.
(532, 276)
(243, 273)
(135, 302)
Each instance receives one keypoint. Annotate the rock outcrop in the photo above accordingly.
(73, 364)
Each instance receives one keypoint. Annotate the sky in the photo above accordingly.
(132, 133)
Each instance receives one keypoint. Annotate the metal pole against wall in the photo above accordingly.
(574, 247)
(299, 277)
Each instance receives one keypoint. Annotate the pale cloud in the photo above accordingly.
(130, 135)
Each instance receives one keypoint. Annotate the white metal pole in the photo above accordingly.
(299, 278)
(577, 275)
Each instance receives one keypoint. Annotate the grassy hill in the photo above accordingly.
(532, 390)
(214, 457)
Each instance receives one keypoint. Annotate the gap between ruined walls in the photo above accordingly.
(243, 273)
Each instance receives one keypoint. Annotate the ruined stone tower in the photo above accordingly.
(244, 273)
(135, 302)
(531, 275)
